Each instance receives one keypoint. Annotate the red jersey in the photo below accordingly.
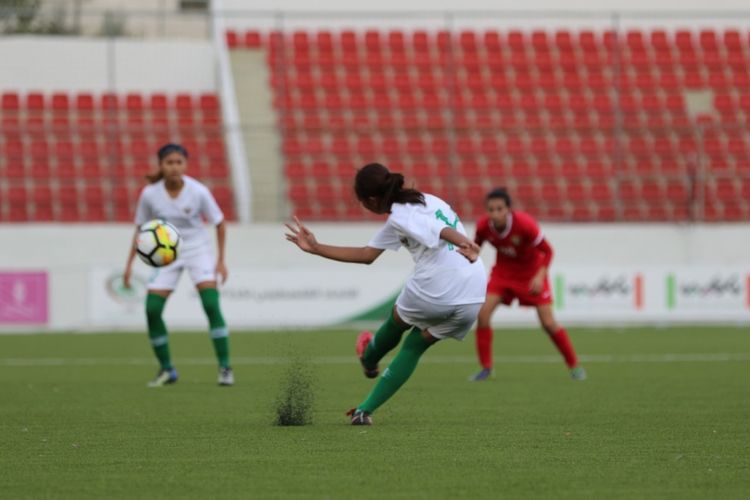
(521, 248)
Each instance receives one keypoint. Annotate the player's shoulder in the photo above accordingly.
(434, 203)
(408, 214)
(523, 219)
(195, 185)
(483, 222)
(193, 182)
(152, 188)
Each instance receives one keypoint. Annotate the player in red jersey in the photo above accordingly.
(520, 273)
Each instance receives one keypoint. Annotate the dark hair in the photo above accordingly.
(376, 181)
(163, 152)
(499, 194)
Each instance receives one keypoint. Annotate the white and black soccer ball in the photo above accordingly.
(157, 243)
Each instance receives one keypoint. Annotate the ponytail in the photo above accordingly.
(375, 182)
(155, 177)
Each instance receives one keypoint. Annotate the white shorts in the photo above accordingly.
(200, 263)
(442, 321)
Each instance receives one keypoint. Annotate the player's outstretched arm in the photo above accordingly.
(301, 236)
(464, 245)
(221, 242)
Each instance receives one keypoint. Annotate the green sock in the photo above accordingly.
(398, 372)
(219, 331)
(157, 330)
(386, 338)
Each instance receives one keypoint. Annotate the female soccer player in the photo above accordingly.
(523, 257)
(183, 201)
(440, 300)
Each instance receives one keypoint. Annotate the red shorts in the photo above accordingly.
(510, 290)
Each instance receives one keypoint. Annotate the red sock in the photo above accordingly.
(484, 347)
(562, 342)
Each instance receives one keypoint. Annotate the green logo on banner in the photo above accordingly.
(559, 291)
(671, 291)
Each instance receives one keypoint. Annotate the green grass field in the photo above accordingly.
(664, 414)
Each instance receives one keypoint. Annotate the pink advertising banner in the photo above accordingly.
(23, 298)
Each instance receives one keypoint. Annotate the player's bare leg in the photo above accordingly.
(559, 337)
(157, 333)
(484, 337)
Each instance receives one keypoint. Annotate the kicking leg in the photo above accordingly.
(559, 337)
(484, 336)
(371, 349)
(157, 333)
(399, 371)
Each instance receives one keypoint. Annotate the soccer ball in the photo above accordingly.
(157, 243)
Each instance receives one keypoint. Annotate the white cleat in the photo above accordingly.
(164, 377)
(578, 373)
(226, 376)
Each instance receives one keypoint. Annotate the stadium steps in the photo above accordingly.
(261, 136)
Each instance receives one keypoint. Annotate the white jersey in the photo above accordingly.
(442, 275)
(187, 212)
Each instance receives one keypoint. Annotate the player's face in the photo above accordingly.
(498, 211)
(173, 166)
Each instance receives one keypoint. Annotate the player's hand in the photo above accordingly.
(301, 236)
(221, 271)
(126, 277)
(470, 251)
(536, 285)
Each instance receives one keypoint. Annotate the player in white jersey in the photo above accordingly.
(441, 298)
(185, 202)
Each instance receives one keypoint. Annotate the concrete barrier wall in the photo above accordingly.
(49, 64)
(602, 274)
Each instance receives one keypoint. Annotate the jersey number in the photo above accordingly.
(439, 215)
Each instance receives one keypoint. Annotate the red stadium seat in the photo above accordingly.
(10, 102)
(252, 40)
(110, 102)
(232, 39)
(520, 103)
(35, 102)
(60, 102)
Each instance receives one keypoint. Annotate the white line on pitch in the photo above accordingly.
(345, 360)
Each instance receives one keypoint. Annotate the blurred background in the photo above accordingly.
(622, 126)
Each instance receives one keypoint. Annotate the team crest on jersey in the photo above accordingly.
(515, 239)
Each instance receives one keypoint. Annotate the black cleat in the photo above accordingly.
(359, 417)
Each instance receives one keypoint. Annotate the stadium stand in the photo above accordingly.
(580, 125)
(82, 157)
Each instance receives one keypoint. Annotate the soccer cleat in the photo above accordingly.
(363, 340)
(164, 377)
(578, 373)
(359, 417)
(226, 376)
(483, 375)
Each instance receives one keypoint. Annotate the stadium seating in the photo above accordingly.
(82, 157)
(580, 125)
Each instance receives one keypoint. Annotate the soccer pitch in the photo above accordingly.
(664, 414)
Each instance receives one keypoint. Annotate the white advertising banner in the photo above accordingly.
(665, 275)
(308, 298)
(253, 298)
